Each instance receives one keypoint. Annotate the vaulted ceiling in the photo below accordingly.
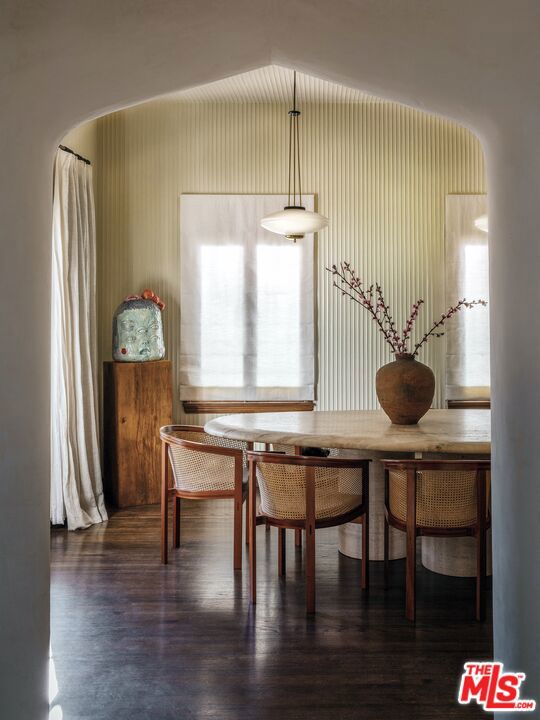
(272, 84)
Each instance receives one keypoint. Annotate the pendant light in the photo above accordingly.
(294, 221)
(481, 223)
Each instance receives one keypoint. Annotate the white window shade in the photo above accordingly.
(467, 276)
(247, 302)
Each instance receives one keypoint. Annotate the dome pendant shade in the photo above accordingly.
(294, 222)
(481, 223)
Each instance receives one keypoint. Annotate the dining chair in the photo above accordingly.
(438, 498)
(298, 450)
(204, 467)
(308, 493)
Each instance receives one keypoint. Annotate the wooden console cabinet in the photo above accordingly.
(137, 400)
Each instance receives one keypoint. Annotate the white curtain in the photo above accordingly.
(76, 484)
(467, 276)
(247, 302)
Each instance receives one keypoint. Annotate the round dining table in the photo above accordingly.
(370, 434)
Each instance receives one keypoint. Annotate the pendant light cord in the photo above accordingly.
(290, 157)
(298, 154)
(294, 153)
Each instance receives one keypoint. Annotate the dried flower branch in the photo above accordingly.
(350, 285)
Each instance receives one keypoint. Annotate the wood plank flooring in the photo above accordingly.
(132, 639)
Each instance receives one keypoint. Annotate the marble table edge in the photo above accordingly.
(219, 428)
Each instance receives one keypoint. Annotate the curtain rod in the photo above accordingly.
(79, 157)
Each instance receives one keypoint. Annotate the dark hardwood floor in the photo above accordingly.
(132, 639)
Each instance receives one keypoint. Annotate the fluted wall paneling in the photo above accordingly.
(380, 171)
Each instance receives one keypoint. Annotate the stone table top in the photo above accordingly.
(440, 431)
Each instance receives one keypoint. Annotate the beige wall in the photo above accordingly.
(381, 172)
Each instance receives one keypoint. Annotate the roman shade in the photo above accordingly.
(467, 276)
(247, 302)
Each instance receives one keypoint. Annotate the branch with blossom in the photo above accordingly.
(372, 299)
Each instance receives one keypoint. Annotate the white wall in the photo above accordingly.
(83, 139)
(381, 172)
(62, 63)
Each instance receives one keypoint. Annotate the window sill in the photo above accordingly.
(469, 404)
(211, 407)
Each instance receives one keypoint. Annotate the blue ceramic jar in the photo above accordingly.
(138, 331)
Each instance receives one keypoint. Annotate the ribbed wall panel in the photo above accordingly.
(268, 85)
(380, 170)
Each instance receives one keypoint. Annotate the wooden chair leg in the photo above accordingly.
(282, 550)
(481, 576)
(410, 584)
(298, 538)
(238, 533)
(247, 522)
(176, 522)
(310, 541)
(164, 502)
(252, 504)
(386, 552)
(365, 551)
(365, 529)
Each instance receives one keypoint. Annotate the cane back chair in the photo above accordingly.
(297, 450)
(308, 493)
(438, 498)
(203, 467)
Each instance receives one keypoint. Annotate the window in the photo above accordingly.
(467, 266)
(247, 303)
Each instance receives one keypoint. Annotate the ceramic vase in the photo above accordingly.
(405, 388)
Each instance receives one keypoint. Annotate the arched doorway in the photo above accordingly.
(382, 172)
(471, 76)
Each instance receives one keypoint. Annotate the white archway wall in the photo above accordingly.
(381, 172)
(65, 63)
(514, 167)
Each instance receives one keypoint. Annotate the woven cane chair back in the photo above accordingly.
(282, 488)
(195, 470)
(444, 498)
